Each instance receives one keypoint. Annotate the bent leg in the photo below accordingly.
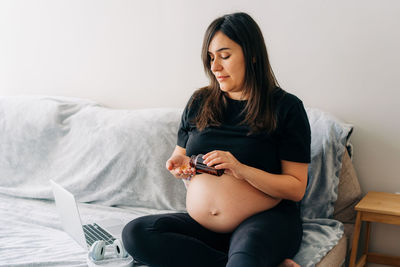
(267, 238)
(174, 240)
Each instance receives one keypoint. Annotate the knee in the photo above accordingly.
(248, 240)
(134, 237)
(254, 248)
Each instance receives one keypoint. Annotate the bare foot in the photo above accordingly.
(288, 263)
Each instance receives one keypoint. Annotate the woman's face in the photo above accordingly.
(227, 64)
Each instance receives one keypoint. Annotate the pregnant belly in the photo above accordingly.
(222, 203)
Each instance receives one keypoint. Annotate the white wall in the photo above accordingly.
(342, 56)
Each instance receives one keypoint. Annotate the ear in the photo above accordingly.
(97, 250)
(254, 60)
(119, 249)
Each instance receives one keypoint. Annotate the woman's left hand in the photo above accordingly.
(224, 160)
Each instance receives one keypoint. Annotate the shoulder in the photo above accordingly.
(195, 102)
(197, 99)
(200, 94)
(284, 100)
(289, 107)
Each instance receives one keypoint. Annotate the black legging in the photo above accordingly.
(175, 239)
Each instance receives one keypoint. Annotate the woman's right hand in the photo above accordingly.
(179, 166)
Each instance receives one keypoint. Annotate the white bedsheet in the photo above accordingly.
(31, 233)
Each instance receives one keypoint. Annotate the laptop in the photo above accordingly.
(84, 235)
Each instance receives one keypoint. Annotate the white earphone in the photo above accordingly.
(98, 250)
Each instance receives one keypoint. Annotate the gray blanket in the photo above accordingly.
(117, 158)
(329, 139)
(103, 156)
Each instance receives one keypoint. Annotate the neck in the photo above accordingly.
(236, 96)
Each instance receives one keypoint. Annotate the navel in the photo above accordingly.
(214, 212)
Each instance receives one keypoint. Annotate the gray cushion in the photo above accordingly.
(337, 256)
(349, 192)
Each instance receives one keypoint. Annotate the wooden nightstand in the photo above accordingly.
(375, 207)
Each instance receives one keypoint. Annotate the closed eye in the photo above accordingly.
(226, 57)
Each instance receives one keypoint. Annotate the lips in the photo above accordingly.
(221, 78)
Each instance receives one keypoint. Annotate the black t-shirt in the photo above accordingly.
(290, 141)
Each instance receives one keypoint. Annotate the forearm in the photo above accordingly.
(178, 151)
(291, 184)
(284, 186)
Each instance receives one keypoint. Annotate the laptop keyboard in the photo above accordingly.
(94, 232)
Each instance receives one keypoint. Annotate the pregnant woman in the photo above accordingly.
(245, 124)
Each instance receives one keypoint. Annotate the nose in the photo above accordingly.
(216, 65)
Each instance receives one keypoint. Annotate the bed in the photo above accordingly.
(113, 162)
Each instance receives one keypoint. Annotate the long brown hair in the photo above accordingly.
(259, 83)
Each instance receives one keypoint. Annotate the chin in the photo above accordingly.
(228, 90)
(225, 89)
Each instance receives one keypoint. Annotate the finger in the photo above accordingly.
(217, 160)
(169, 165)
(206, 155)
(222, 166)
(176, 171)
(173, 162)
(209, 154)
(189, 172)
(212, 155)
